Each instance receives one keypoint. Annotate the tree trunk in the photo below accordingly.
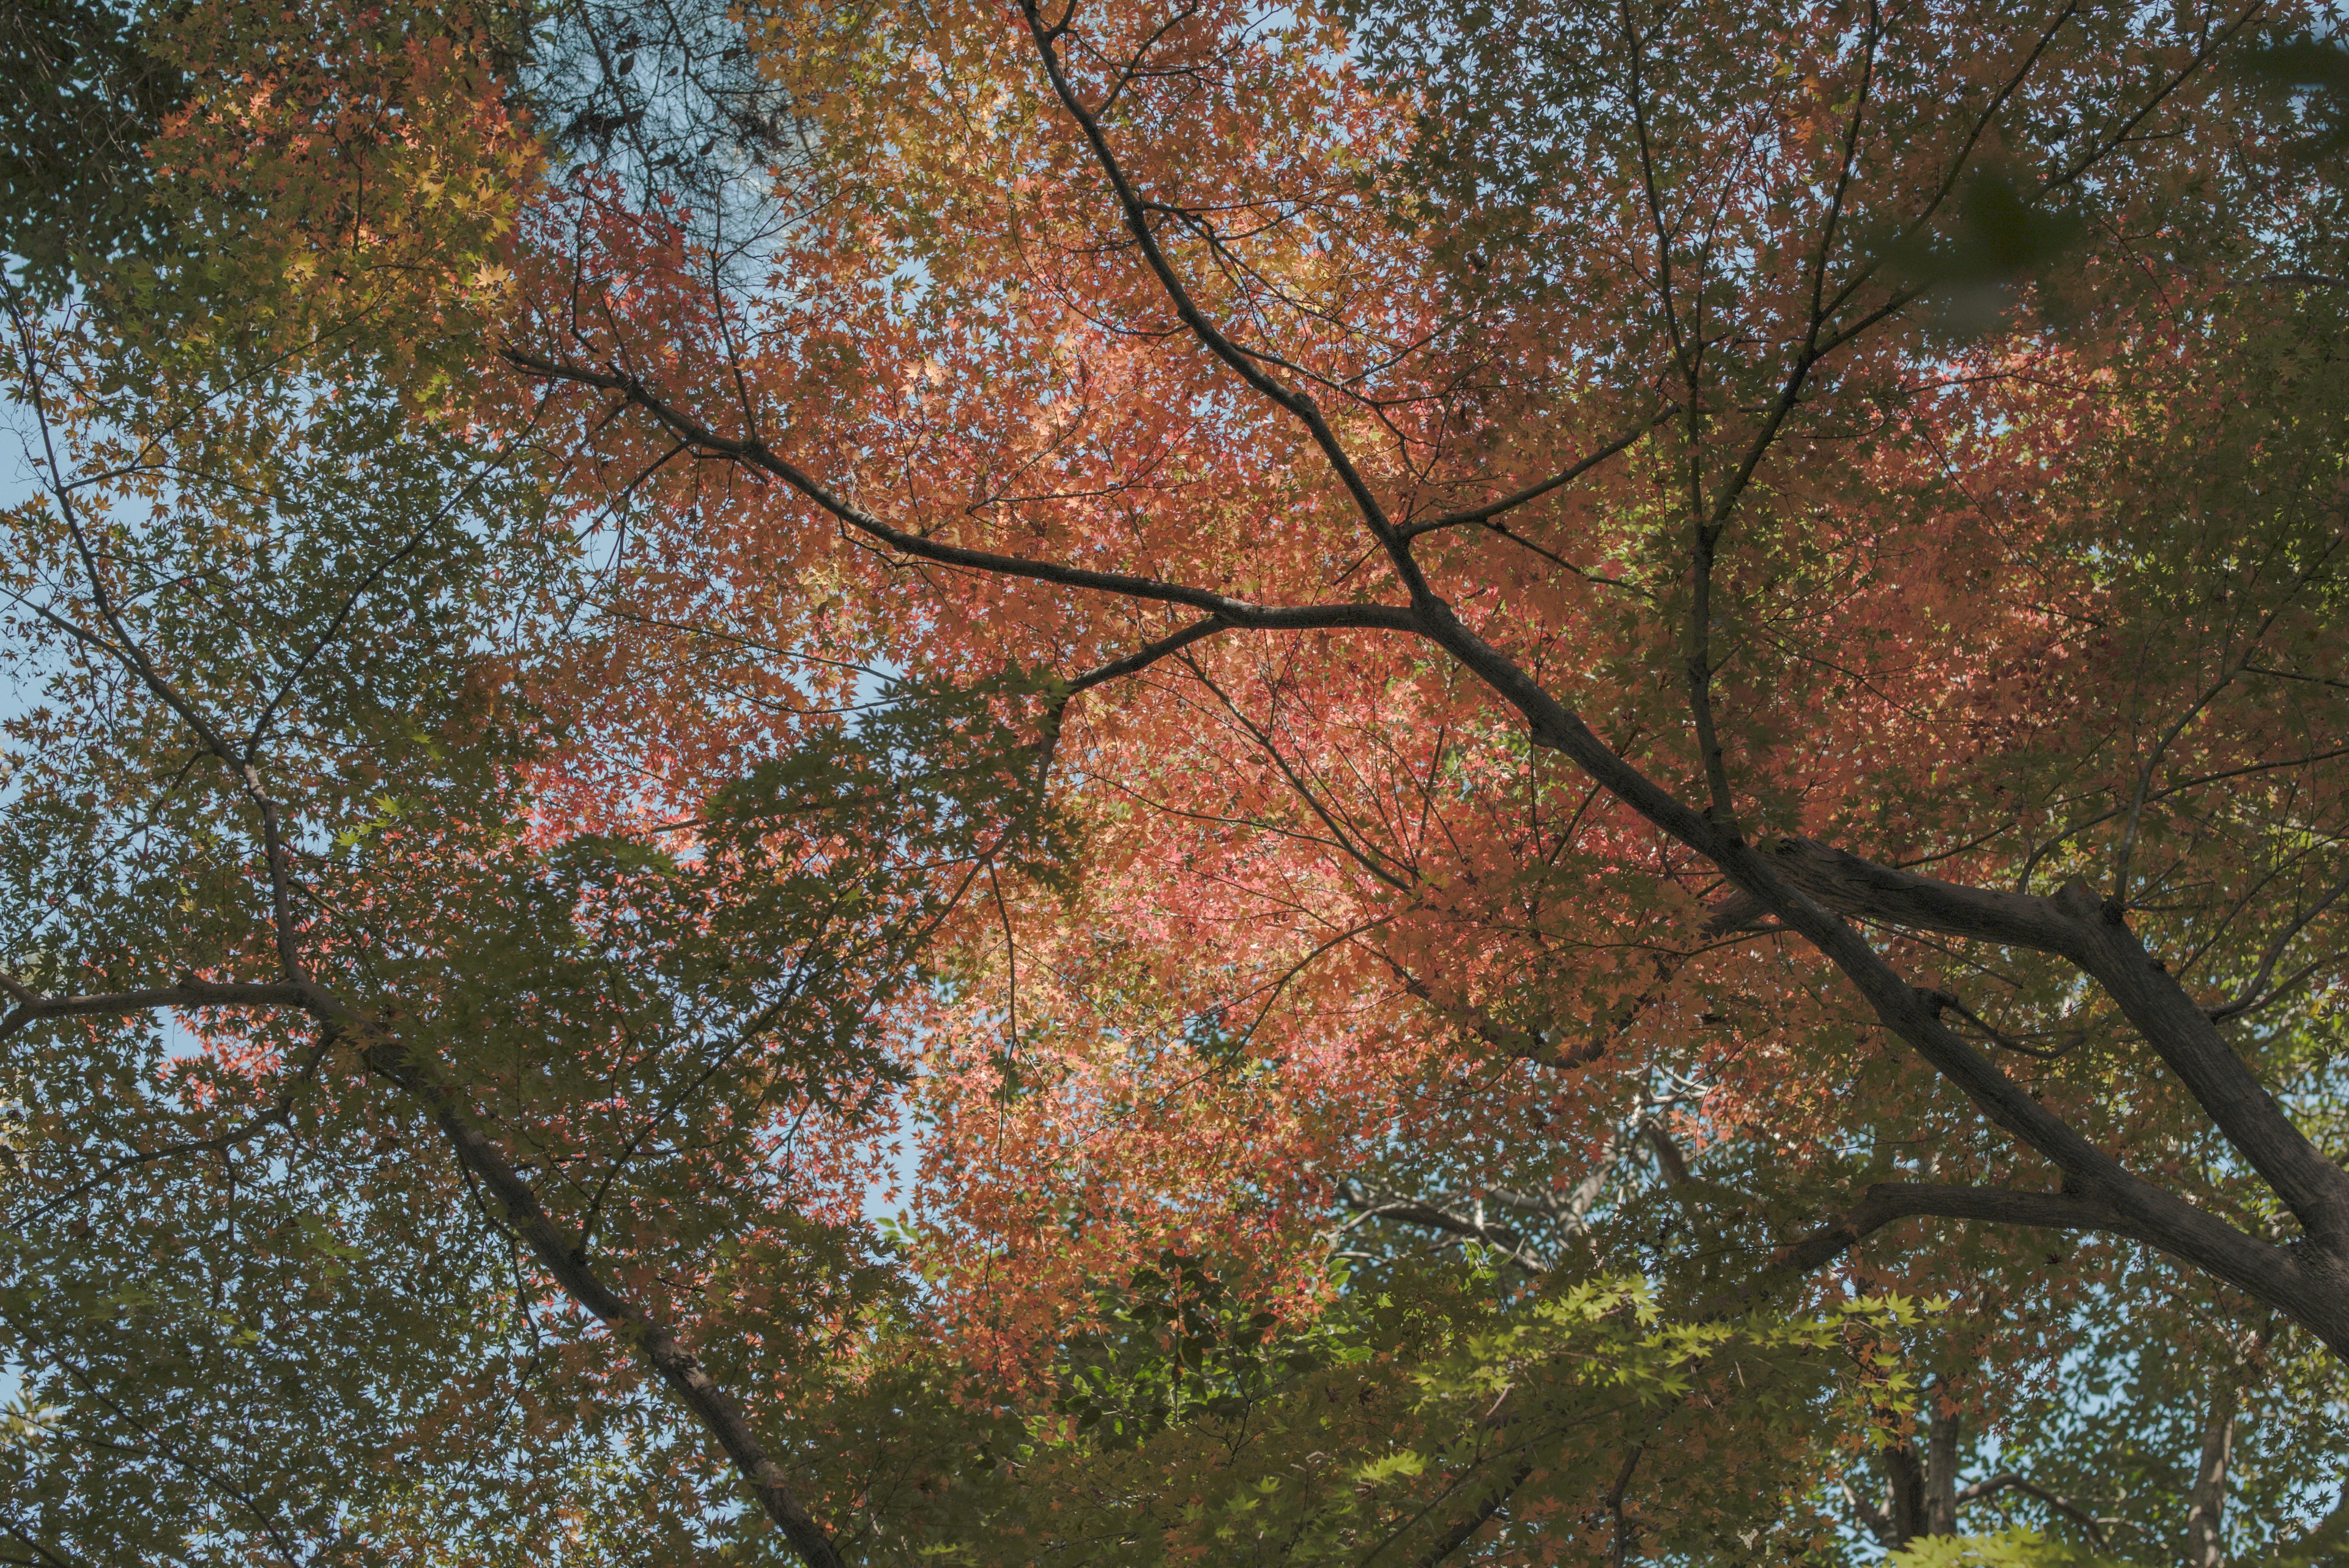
(1904, 1478)
(2205, 1546)
(1942, 1475)
(1920, 1484)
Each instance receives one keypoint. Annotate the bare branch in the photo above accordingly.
(1472, 1226)
(2255, 990)
(278, 1113)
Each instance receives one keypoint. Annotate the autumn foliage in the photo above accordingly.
(1135, 784)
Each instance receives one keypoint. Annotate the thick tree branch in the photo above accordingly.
(1143, 658)
(188, 993)
(1852, 886)
(2093, 933)
(2180, 1030)
(1296, 402)
(757, 454)
(1887, 1202)
(560, 1254)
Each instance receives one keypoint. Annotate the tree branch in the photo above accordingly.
(1479, 514)
(1889, 1202)
(2007, 1481)
(631, 1325)
(1298, 403)
(755, 453)
(188, 993)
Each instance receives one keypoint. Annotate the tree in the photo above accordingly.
(1521, 544)
(80, 99)
(1623, 481)
(1835, 303)
(393, 1096)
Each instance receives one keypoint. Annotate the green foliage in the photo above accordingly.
(1190, 1420)
(80, 94)
(2007, 1549)
(2314, 72)
(1176, 1344)
(253, 1306)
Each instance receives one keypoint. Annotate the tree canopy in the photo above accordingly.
(1136, 782)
